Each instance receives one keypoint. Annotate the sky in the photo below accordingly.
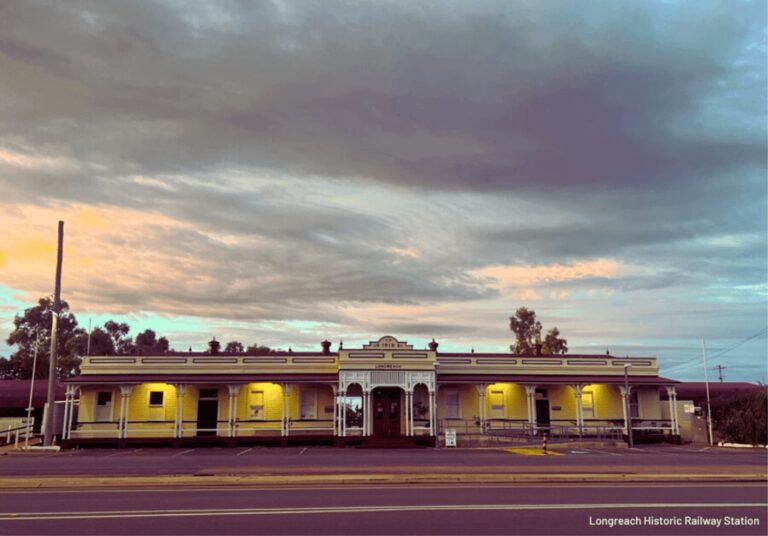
(284, 172)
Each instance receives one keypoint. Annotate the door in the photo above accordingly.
(207, 415)
(386, 412)
(542, 412)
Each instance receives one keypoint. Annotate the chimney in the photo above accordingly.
(433, 345)
(326, 344)
(538, 348)
(213, 346)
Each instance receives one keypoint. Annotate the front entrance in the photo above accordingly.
(207, 412)
(542, 407)
(386, 412)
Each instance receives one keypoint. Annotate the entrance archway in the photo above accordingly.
(387, 411)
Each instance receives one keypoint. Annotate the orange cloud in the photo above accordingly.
(512, 276)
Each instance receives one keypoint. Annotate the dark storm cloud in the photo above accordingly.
(491, 96)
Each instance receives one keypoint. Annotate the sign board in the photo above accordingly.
(450, 437)
(689, 408)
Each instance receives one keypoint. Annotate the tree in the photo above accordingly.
(527, 332)
(35, 325)
(119, 334)
(258, 349)
(234, 347)
(553, 343)
(148, 343)
(524, 326)
(743, 418)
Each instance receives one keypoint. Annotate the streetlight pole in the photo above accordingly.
(627, 406)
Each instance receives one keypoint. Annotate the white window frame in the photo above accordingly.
(149, 399)
(256, 411)
(498, 411)
(588, 410)
(111, 406)
(309, 395)
(447, 394)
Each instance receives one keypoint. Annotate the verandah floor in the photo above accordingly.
(261, 441)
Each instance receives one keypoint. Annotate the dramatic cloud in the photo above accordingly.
(286, 171)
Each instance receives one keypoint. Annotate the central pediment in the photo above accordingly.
(388, 342)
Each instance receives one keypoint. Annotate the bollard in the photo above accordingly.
(544, 444)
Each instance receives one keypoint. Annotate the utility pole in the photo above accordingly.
(88, 348)
(720, 369)
(706, 385)
(54, 354)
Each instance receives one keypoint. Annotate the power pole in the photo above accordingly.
(54, 354)
(706, 385)
(720, 369)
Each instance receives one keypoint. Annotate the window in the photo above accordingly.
(497, 404)
(104, 398)
(103, 410)
(256, 404)
(156, 399)
(588, 404)
(452, 404)
(307, 399)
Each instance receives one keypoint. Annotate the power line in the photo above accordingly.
(687, 364)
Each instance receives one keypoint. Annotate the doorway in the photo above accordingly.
(386, 412)
(207, 412)
(542, 407)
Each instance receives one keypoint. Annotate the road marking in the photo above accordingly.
(243, 452)
(121, 452)
(26, 516)
(182, 452)
(379, 487)
(532, 451)
(704, 449)
(303, 451)
(608, 452)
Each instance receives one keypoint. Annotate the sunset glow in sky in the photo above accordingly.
(284, 172)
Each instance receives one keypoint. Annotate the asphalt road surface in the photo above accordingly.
(160, 461)
(519, 509)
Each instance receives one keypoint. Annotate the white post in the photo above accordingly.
(286, 409)
(432, 408)
(530, 391)
(579, 406)
(75, 388)
(481, 405)
(408, 412)
(125, 393)
(343, 413)
(232, 418)
(624, 403)
(672, 396)
(66, 410)
(178, 425)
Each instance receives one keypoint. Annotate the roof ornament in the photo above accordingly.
(341, 344)
(433, 345)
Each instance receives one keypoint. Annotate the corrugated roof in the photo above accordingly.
(15, 393)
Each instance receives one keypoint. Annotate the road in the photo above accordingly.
(486, 509)
(161, 461)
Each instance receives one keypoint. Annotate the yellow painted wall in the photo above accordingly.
(515, 401)
(607, 401)
(564, 397)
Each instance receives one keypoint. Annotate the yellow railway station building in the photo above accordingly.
(384, 394)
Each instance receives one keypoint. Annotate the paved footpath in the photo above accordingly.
(322, 466)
